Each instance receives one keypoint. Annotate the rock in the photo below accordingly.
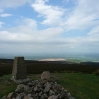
(51, 92)
(53, 97)
(40, 89)
(42, 82)
(20, 88)
(40, 93)
(27, 89)
(20, 96)
(45, 75)
(10, 95)
(4, 97)
(44, 96)
(36, 88)
(35, 82)
(47, 87)
(64, 94)
(14, 95)
(26, 97)
(30, 84)
(30, 97)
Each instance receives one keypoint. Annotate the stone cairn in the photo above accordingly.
(44, 88)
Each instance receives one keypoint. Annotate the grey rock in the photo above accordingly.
(40, 89)
(43, 82)
(64, 94)
(40, 93)
(27, 89)
(26, 97)
(53, 97)
(45, 75)
(20, 88)
(47, 87)
(30, 97)
(35, 82)
(44, 96)
(4, 97)
(36, 88)
(18, 97)
(51, 92)
(30, 84)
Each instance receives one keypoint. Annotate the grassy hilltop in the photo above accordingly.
(80, 80)
(81, 86)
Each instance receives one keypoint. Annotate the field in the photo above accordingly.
(81, 86)
(78, 78)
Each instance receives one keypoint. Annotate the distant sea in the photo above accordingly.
(72, 57)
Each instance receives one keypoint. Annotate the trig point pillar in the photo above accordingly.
(19, 69)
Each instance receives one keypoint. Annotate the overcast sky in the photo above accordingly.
(49, 26)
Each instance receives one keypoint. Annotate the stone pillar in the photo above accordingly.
(19, 69)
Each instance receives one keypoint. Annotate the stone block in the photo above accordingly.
(19, 69)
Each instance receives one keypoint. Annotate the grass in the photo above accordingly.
(6, 87)
(81, 86)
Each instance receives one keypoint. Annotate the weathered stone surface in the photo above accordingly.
(40, 89)
(12, 95)
(36, 88)
(53, 97)
(9, 95)
(20, 88)
(45, 75)
(51, 92)
(19, 69)
(47, 87)
(4, 97)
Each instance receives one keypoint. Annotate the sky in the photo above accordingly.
(49, 26)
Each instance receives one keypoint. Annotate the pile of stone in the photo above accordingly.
(45, 88)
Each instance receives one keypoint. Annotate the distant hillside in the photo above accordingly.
(34, 66)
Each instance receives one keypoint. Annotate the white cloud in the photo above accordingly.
(27, 32)
(27, 35)
(5, 15)
(84, 16)
(13, 3)
(94, 31)
(52, 14)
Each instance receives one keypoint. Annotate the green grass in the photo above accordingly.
(81, 86)
(5, 87)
